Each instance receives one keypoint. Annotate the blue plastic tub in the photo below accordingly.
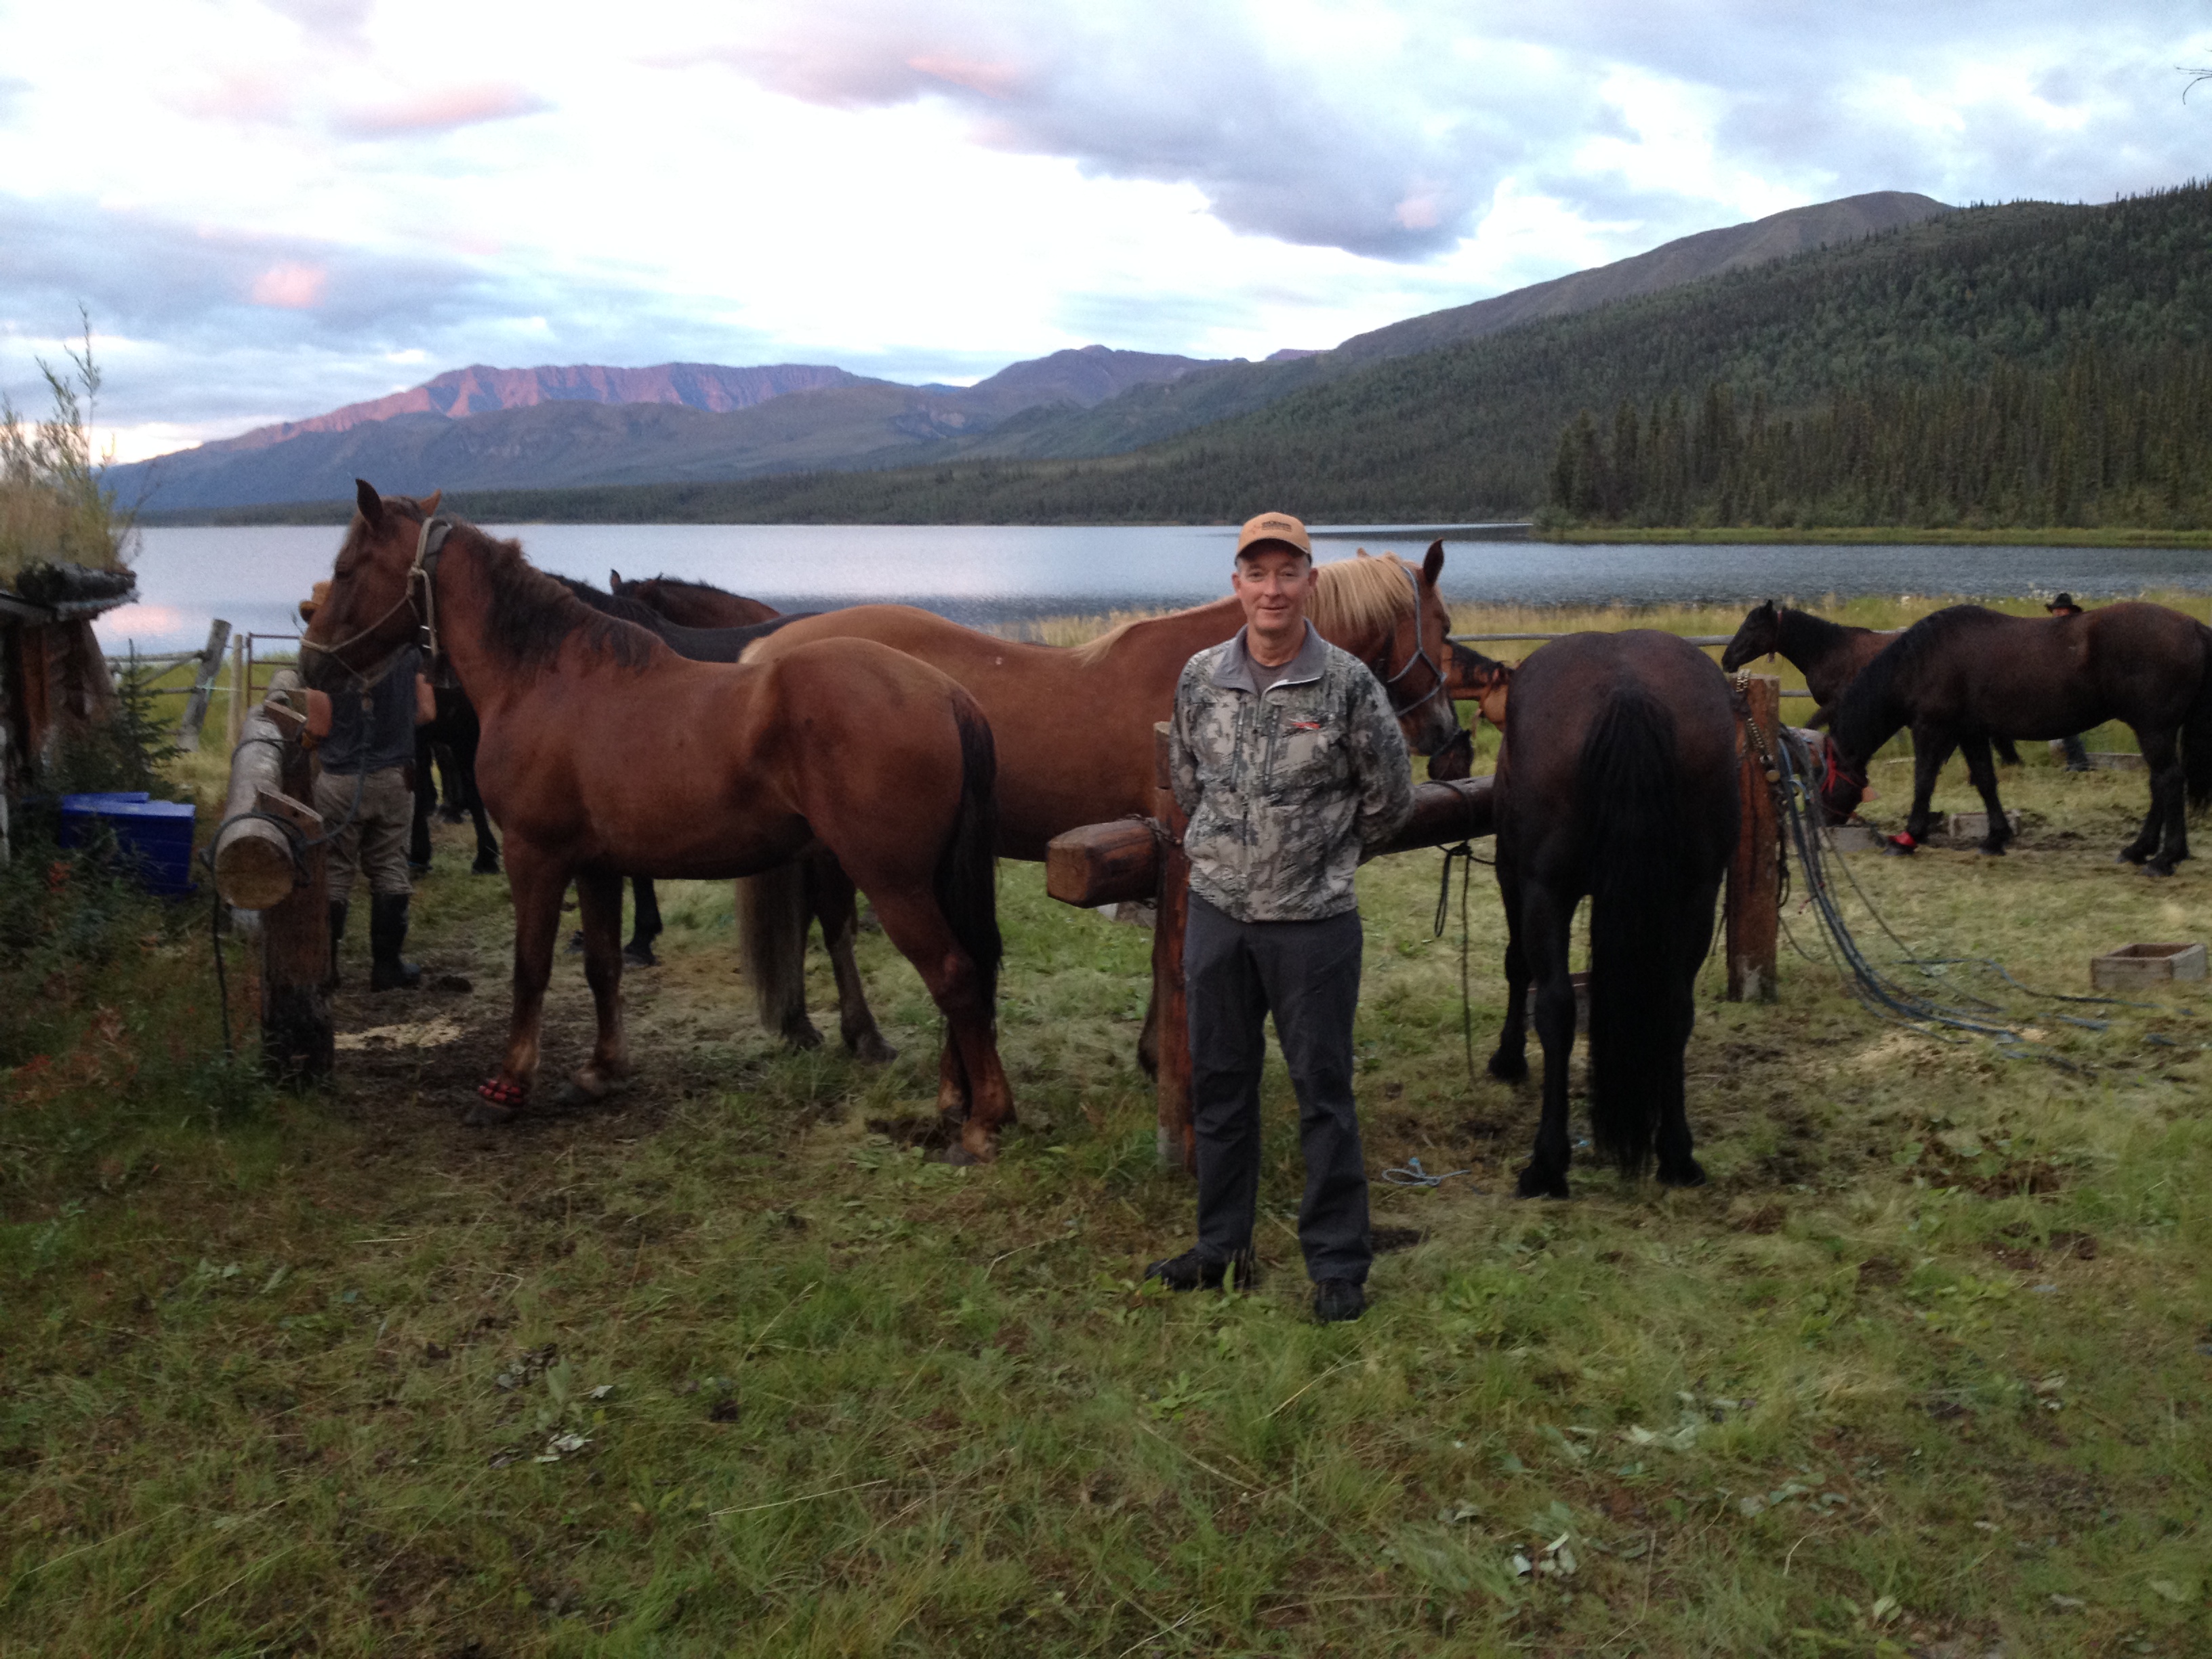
(157, 835)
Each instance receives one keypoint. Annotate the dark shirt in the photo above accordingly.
(384, 735)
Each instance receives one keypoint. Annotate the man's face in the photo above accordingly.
(1272, 583)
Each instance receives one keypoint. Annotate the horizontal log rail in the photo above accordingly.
(1113, 863)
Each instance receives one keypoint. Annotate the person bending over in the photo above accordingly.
(1290, 764)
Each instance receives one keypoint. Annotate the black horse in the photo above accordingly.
(1965, 675)
(1829, 656)
(1617, 781)
(450, 739)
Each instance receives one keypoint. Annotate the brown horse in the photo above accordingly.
(1617, 781)
(1964, 676)
(1074, 724)
(605, 753)
(1828, 654)
(692, 605)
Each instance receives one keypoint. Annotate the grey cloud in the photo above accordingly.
(442, 110)
(1395, 157)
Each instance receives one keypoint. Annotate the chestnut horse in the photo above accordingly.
(604, 754)
(1074, 723)
(1966, 675)
(1618, 780)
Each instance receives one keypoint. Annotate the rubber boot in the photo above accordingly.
(387, 932)
(337, 932)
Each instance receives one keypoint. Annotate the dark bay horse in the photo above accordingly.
(1828, 654)
(455, 730)
(1617, 781)
(1073, 723)
(1963, 676)
(692, 605)
(605, 753)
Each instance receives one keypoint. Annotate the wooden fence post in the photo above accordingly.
(235, 719)
(1178, 1140)
(258, 865)
(196, 704)
(1754, 878)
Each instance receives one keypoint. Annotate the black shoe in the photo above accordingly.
(1336, 1300)
(1192, 1272)
(387, 934)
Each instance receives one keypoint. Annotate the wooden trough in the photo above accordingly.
(2139, 967)
(1139, 859)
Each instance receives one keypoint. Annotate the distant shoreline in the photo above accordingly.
(1879, 536)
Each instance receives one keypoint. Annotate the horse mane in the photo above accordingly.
(1369, 591)
(695, 584)
(533, 614)
(1858, 722)
(614, 605)
(1816, 631)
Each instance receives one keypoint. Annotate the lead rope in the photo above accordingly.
(1464, 853)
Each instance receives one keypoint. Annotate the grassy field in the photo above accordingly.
(728, 1365)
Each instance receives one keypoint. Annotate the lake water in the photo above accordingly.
(994, 575)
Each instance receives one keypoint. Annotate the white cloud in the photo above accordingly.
(283, 199)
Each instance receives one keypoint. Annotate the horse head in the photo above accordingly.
(370, 608)
(1483, 681)
(1843, 784)
(1388, 614)
(1761, 635)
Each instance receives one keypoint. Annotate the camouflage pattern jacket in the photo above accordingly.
(1287, 788)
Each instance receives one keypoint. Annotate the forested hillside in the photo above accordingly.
(1931, 314)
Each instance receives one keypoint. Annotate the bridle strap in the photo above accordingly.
(427, 546)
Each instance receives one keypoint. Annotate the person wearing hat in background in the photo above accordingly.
(2077, 757)
(366, 786)
(1291, 766)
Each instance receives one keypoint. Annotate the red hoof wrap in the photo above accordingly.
(1903, 840)
(500, 1092)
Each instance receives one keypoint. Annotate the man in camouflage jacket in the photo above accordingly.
(1290, 765)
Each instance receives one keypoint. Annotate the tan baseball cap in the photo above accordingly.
(1274, 527)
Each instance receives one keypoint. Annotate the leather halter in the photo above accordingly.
(424, 568)
(1420, 655)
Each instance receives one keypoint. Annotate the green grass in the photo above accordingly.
(1921, 1371)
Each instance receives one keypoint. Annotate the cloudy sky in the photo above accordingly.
(273, 207)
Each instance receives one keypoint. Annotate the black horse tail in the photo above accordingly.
(772, 922)
(967, 879)
(2197, 729)
(1641, 883)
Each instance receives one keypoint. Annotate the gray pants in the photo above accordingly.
(1307, 973)
(377, 812)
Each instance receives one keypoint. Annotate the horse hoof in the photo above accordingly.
(801, 1038)
(1990, 852)
(1508, 1068)
(2158, 868)
(1896, 849)
(1541, 1183)
(484, 1115)
(497, 1098)
(484, 866)
(641, 955)
(870, 1049)
(2129, 855)
(1692, 1174)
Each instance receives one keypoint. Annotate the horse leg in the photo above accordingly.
(465, 751)
(919, 928)
(537, 883)
(648, 929)
(599, 902)
(1983, 777)
(1694, 936)
(1509, 1061)
(426, 802)
(449, 778)
(1544, 921)
(830, 895)
(2164, 842)
(2006, 754)
(1931, 748)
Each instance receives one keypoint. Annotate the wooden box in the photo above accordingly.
(1855, 838)
(2134, 966)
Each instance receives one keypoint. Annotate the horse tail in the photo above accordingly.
(2197, 728)
(772, 918)
(1640, 860)
(966, 879)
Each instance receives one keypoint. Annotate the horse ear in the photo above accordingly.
(1433, 566)
(614, 580)
(430, 505)
(369, 504)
